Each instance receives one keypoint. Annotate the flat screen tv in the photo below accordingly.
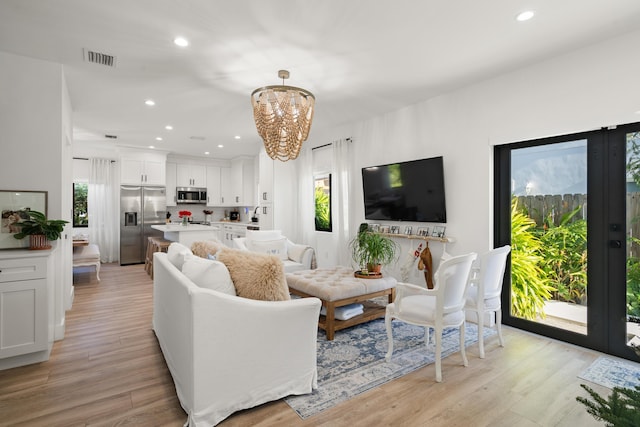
(406, 191)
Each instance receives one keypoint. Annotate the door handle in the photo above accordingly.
(615, 244)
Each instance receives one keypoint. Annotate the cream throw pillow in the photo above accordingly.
(277, 247)
(208, 274)
(256, 276)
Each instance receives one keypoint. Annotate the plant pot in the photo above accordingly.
(39, 242)
(374, 268)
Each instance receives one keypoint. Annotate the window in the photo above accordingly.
(80, 217)
(322, 197)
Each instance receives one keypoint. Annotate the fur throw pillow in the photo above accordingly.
(256, 276)
(205, 248)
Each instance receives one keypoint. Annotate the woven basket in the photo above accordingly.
(38, 242)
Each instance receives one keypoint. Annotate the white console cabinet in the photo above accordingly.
(24, 307)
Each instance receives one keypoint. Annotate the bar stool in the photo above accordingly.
(155, 244)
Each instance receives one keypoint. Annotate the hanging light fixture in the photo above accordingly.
(283, 116)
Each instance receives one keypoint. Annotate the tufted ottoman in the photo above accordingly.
(337, 287)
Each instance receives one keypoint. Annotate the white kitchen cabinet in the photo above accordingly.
(24, 307)
(188, 175)
(242, 182)
(214, 196)
(143, 169)
(227, 187)
(266, 178)
(231, 232)
(171, 184)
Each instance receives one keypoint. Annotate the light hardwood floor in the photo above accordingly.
(109, 371)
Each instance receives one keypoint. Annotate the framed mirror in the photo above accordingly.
(14, 207)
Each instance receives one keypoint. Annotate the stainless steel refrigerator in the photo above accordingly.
(140, 208)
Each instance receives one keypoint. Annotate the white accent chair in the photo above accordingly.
(294, 256)
(484, 292)
(438, 308)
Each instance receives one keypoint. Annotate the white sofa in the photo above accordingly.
(227, 353)
(294, 256)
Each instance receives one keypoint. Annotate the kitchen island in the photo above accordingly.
(187, 234)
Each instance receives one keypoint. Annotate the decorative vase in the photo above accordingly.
(185, 221)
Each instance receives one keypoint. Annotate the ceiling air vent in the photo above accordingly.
(111, 136)
(99, 58)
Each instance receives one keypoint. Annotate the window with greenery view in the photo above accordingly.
(80, 217)
(322, 197)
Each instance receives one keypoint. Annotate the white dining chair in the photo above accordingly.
(484, 292)
(437, 308)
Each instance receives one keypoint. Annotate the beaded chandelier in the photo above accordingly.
(283, 116)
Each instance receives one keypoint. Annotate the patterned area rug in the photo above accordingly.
(610, 372)
(354, 361)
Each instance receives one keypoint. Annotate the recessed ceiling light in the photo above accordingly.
(181, 41)
(206, 152)
(158, 138)
(237, 137)
(525, 16)
(150, 102)
(168, 127)
(638, 112)
(220, 146)
(152, 147)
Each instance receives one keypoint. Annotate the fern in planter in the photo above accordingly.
(620, 409)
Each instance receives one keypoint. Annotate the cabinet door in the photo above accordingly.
(183, 175)
(23, 316)
(171, 184)
(266, 178)
(131, 171)
(199, 175)
(154, 172)
(226, 187)
(213, 186)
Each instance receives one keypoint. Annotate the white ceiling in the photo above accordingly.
(360, 58)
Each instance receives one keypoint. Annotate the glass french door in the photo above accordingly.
(570, 208)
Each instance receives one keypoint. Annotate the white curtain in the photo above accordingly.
(340, 189)
(305, 223)
(101, 206)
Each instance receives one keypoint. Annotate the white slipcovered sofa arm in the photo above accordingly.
(300, 253)
(265, 347)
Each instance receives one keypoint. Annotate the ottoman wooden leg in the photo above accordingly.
(330, 320)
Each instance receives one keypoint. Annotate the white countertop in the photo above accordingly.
(179, 228)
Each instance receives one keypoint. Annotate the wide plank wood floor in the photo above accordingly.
(109, 371)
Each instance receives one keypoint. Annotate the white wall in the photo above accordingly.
(35, 118)
(584, 90)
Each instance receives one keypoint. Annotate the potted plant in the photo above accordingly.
(41, 231)
(371, 250)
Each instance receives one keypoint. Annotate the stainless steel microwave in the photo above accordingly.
(191, 195)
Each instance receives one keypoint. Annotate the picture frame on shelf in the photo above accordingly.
(408, 230)
(384, 229)
(423, 231)
(374, 227)
(395, 229)
(438, 231)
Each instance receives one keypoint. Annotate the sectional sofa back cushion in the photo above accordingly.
(176, 254)
(208, 274)
(255, 276)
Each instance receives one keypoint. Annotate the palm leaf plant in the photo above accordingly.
(38, 225)
(372, 250)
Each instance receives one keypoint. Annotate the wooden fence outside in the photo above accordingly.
(539, 207)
